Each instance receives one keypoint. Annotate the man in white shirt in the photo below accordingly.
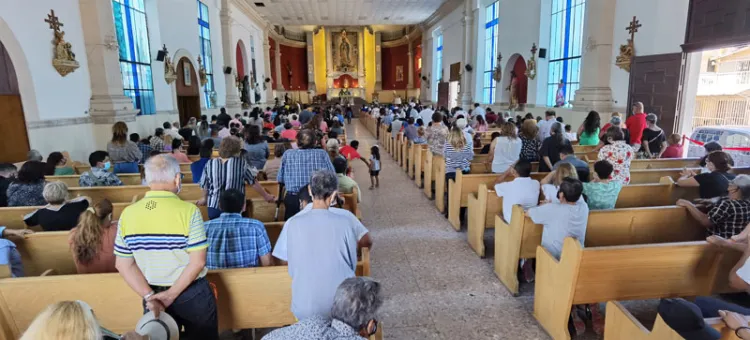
(565, 219)
(426, 114)
(478, 111)
(168, 130)
(522, 190)
(546, 125)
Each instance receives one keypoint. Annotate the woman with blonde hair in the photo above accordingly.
(123, 153)
(530, 144)
(64, 320)
(458, 153)
(551, 182)
(92, 241)
(505, 150)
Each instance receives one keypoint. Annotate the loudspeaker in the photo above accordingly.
(542, 53)
(161, 55)
(227, 70)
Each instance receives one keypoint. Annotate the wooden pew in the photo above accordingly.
(621, 325)
(420, 158)
(519, 239)
(72, 180)
(351, 204)
(633, 272)
(404, 153)
(584, 148)
(674, 163)
(429, 173)
(438, 163)
(484, 205)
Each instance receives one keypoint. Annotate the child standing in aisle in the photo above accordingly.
(374, 167)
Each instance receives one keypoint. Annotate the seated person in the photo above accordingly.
(687, 318)
(727, 216)
(353, 315)
(289, 133)
(567, 155)
(567, 217)
(486, 149)
(9, 255)
(334, 234)
(99, 175)
(8, 172)
(551, 182)
(58, 165)
(58, 215)
(714, 183)
(26, 190)
(235, 241)
(420, 139)
(177, 151)
(346, 183)
(92, 241)
(675, 147)
(272, 165)
(522, 190)
(602, 192)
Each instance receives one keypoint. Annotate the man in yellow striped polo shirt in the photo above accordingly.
(161, 252)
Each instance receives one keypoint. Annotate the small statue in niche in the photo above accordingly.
(64, 60)
(202, 72)
(170, 75)
(245, 96)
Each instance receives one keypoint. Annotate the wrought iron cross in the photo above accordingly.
(53, 21)
(633, 27)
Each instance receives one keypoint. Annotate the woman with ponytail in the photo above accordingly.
(93, 240)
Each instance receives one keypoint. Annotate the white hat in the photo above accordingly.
(461, 123)
(163, 328)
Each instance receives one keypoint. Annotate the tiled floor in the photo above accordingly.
(435, 286)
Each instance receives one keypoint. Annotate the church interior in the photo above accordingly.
(70, 69)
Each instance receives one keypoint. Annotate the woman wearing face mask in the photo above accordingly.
(92, 241)
(124, 154)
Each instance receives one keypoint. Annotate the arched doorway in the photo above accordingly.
(517, 65)
(13, 127)
(188, 91)
(240, 57)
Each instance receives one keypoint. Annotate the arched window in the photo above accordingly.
(135, 55)
(204, 34)
(492, 13)
(565, 49)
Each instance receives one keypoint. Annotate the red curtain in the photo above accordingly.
(523, 81)
(240, 62)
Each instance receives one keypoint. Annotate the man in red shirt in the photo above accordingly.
(350, 151)
(636, 123)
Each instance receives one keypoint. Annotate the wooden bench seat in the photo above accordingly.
(519, 239)
(247, 298)
(629, 272)
(484, 205)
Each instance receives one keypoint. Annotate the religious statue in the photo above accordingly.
(344, 49)
(627, 51)
(513, 88)
(170, 74)
(64, 60)
(202, 72)
(497, 74)
(560, 96)
(245, 94)
(346, 83)
(212, 98)
(531, 64)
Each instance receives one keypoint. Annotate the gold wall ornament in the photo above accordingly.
(170, 74)
(531, 64)
(497, 74)
(627, 51)
(202, 72)
(64, 60)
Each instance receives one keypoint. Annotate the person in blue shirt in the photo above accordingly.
(9, 255)
(207, 148)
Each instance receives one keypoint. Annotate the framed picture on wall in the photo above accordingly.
(400, 73)
(187, 77)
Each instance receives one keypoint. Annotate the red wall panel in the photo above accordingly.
(417, 69)
(272, 54)
(294, 58)
(391, 58)
(240, 62)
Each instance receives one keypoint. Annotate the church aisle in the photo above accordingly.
(435, 286)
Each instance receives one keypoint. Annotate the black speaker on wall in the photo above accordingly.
(227, 70)
(161, 55)
(542, 53)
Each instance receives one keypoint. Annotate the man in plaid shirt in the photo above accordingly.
(235, 241)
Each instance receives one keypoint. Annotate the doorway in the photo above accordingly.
(453, 91)
(13, 128)
(188, 92)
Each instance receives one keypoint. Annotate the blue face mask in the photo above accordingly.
(107, 166)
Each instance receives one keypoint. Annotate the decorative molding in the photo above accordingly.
(43, 124)
(445, 9)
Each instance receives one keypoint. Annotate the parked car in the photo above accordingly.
(728, 136)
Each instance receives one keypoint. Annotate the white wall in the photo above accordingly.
(663, 32)
(453, 36)
(243, 28)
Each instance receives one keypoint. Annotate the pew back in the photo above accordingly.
(621, 325)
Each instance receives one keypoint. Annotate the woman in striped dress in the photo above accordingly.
(458, 154)
(229, 171)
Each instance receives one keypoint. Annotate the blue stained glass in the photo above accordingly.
(134, 52)
(566, 40)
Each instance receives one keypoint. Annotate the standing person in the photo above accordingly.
(8, 173)
(92, 241)
(207, 149)
(505, 150)
(478, 111)
(298, 165)
(306, 115)
(99, 175)
(458, 155)
(169, 271)
(374, 166)
(235, 241)
(410, 131)
(436, 134)
(545, 126)
(619, 154)
(636, 123)
(654, 138)
(257, 149)
(426, 114)
(588, 132)
(550, 151)
(229, 171)
(320, 246)
(26, 190)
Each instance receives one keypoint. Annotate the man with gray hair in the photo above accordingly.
(34, 155)
(355, 306)
(161, 252)
(321, 248)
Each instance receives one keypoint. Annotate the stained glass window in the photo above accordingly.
(490, 43)
(439, 62)
(204, 34)
(566, 43)
(135, 55)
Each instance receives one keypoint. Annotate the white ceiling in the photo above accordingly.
(346, 12)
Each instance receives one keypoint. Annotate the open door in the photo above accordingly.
(443, 94)
(655, 81)
(188, 91)
(13, 126)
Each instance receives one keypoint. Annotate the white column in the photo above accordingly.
(279, 83)
(108, 102)
(468, 48)
(267, 68)
(410, 81)
(232, 95)
(596, 65)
